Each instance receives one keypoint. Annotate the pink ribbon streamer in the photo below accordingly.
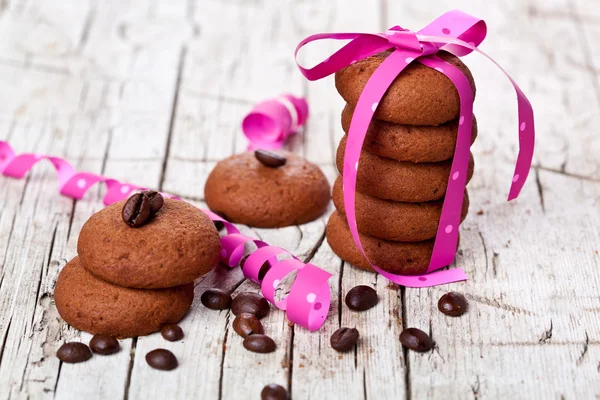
(308, 300)
(455, 32)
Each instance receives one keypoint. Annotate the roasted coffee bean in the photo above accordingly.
(74, 352)
(156, 200)
(102, 344)
(137, 210)
(273, 392)
(259, 344)
(361, 298)
(216, 299)
(344, 339)
(247, 324)
(415, 339)
(162, 359)
(453, 304)
(219, 225)
(270, 158)
(172, 332)
(251, 303)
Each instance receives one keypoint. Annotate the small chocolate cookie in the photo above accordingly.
(389, 179)
(391, 220)
(409, 142)
(93, 305)
(418, 96)
(179, 244)
(404, 258)
(251, 193)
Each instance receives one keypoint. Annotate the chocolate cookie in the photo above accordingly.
(179, 244)
(389, 179)
(93, 305)
(404, 258)
(409, 142)
(418, 96)
(248, 192)
(391, 220)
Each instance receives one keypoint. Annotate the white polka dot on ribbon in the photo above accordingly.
(374, 106)
(276, 283)
(125, 189)
(311, 297)
(81, 183)
(449, 228)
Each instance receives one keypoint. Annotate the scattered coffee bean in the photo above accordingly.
(273, 392)
(172, 332)
(344, 339)
(415, 339)
(162, 359)
(216, 299)
(102, 344)
(361, 298)
(74, 352)
(251, 303)
(247, 324)
(137, 210)
(259, 343)
(453, 304)
(270, 158)
(219, 225)
(156, 200)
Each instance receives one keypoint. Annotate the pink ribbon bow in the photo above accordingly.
(455, 32)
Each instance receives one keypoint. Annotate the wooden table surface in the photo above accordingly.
(153, 93)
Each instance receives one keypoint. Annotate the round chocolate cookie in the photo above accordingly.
(93, 305)
(418, 96)
(389, 179)
(249, 192)
(404, 258)
(409, 142)
(179, 244)
(391, 220)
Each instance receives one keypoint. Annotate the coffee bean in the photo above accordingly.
(344, 339)
(219, 225)
(156, 200)
(247, 324)
(103, 344)
(270, 158)
(361, 298)
(251, 303)
(453, 304)
(172, 332)
(137, 210)
(216, 299)
(273, 392)
(415, 339)
(259, 343)
(74, 352)
(162, 359)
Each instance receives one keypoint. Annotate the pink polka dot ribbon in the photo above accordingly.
(455, 32)
(308, 298)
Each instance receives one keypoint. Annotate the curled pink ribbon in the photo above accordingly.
(308, 299)
(455, 32)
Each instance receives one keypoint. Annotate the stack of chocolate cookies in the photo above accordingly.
(136, 266)
(404, 166)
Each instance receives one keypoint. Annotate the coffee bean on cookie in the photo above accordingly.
(137, 210)
(259, 344)
(162, 359)
(415, 339)
(361, 298)
(273, 392)
(216, 299)
(73, 353)
(270, 158)
(247, 324)
(453, 304)
(172, 332)
(344, 339)
(104, 344)
(156, 200)
(251, 303)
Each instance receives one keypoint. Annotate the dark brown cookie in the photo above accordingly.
(248, 192)
(409, 142)
(418, 96)
(179, 244)
(405, 258)
(389, 179)
(93, 305)
(392, 220)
